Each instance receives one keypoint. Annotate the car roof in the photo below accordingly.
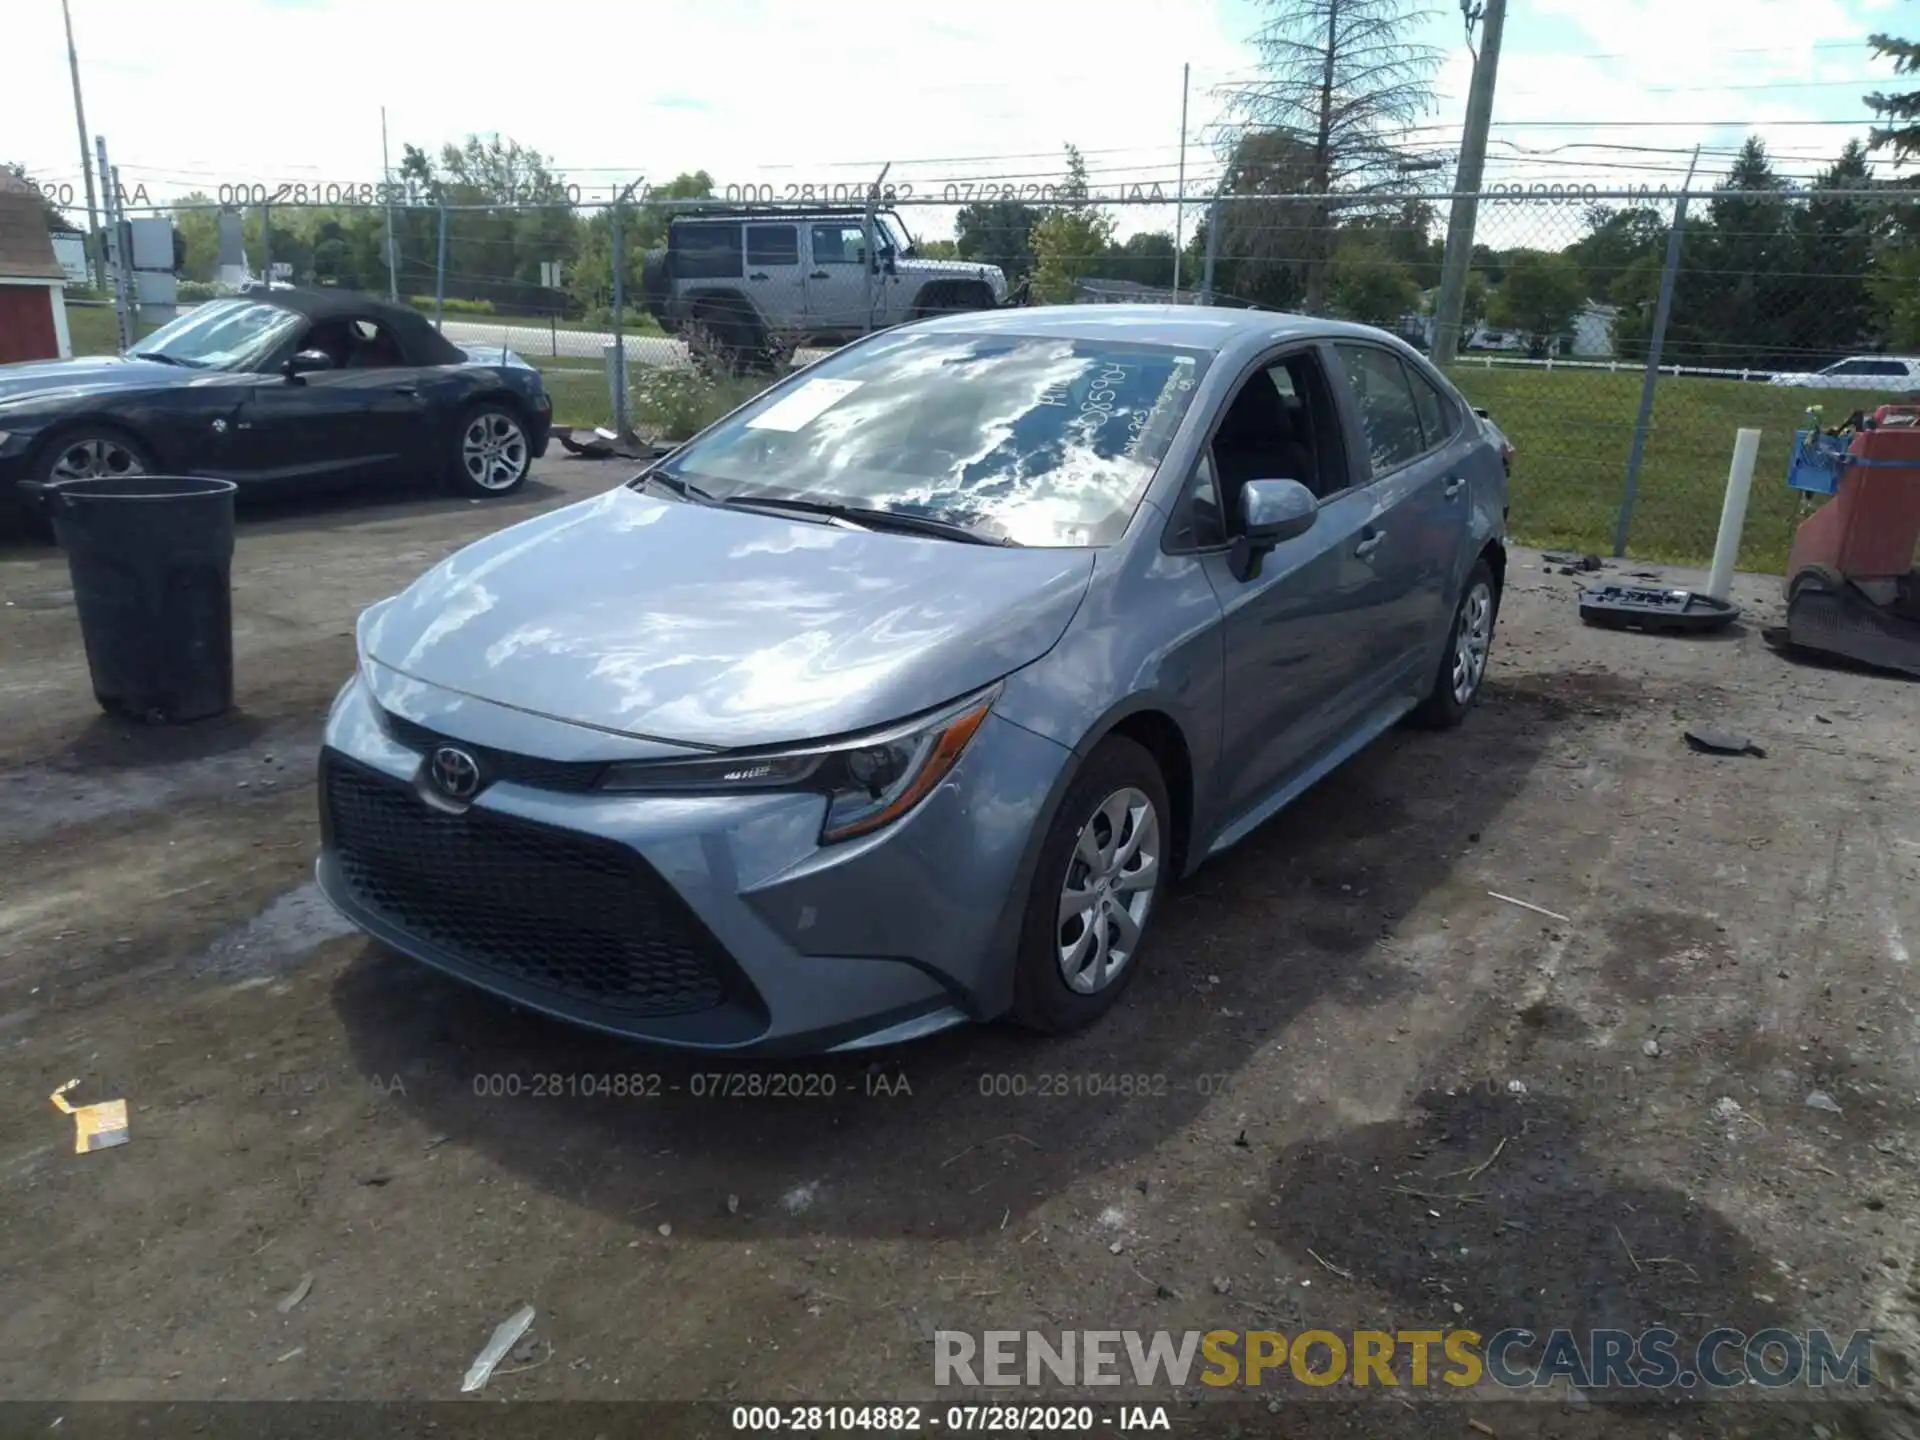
(1194, 327)
(423, 344)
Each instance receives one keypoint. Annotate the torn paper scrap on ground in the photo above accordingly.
(95, 1127)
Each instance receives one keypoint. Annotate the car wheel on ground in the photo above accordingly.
(95, 452)
(1102, 866)
(1463, 666)
(728, 336)
(491, 453)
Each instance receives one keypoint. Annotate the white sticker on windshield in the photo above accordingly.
(806, 404)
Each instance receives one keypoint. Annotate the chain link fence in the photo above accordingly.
(1620, 338)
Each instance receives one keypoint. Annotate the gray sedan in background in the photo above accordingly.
(899, 697)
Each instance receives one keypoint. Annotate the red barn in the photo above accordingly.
(33, 307)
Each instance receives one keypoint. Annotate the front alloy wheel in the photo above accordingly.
(94, 457)
(494, 455)
(1111, 880)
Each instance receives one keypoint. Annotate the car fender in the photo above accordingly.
(692, 300)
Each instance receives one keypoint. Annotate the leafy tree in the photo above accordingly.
(1266, 244)
(1073, 239)
(1368, 284)
(1542, 293)
(1829, 307)
(1345, 77)
(1902, 134)
(937, 250)
(1473, 302)
(589, 278)
(1614, 241)
(197, 223)
(1147, 259)
(1747, 293)
(998, 232)
(1895, 288)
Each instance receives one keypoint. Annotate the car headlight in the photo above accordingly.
(868, 782)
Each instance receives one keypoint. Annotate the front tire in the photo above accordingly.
(491, 452)
(1102, 868)
(93, 452)
(1463, 667)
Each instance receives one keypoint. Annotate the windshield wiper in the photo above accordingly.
(867, 516)
(163, 359)
(685, 489)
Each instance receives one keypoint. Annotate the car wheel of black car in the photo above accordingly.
(491, 452)
(1463, 666)
(1102, 867)
(95, 452)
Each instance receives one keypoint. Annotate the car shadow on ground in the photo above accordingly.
(334, 509)
(979, 1134)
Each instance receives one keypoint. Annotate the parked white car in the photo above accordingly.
(1860, 372)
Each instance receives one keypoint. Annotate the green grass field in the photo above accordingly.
(92, 331)
(1572, 430)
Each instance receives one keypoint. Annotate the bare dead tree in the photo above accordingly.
(1342, 79)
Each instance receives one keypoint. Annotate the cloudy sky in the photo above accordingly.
(204, 93)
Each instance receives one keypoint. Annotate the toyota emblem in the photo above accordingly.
(456, 774)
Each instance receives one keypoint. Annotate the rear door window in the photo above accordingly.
(707, 252)
(773, 245)
(1389, 417)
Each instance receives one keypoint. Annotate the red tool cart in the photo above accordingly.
(1851, 583)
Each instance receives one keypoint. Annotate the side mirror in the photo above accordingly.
(306, 362)
(1271, 513)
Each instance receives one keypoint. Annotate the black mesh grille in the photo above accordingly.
(579, 917)
(495, 765)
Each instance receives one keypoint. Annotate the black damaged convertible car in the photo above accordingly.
(283, 388)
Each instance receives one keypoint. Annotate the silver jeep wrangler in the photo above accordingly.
(758, 282)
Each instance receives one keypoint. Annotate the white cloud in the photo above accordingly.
(757, 92)
(226, 91)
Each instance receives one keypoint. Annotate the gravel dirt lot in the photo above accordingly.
(1375, 1095)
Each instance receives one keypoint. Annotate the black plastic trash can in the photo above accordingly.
(152, 564)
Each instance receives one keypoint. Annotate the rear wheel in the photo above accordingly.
(727, 336)
(1101, 870)
(1464, 665)
(492, 455)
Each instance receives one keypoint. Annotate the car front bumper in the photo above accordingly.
(710, 923)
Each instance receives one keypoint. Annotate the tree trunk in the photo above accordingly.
(1319, 246)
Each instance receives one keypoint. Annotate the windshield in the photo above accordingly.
(894, 232)
(222, 335)
(1035, 441)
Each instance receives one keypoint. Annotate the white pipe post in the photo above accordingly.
(1733, 513)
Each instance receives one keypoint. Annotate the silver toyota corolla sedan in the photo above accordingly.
(899, 697)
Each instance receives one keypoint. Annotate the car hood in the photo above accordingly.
(958, 269)
(688, 623)
(96, 374)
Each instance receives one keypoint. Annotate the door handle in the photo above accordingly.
(818, 275)
(758, 275)
(1454, 486)
(1372, 543)
(406, 389)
